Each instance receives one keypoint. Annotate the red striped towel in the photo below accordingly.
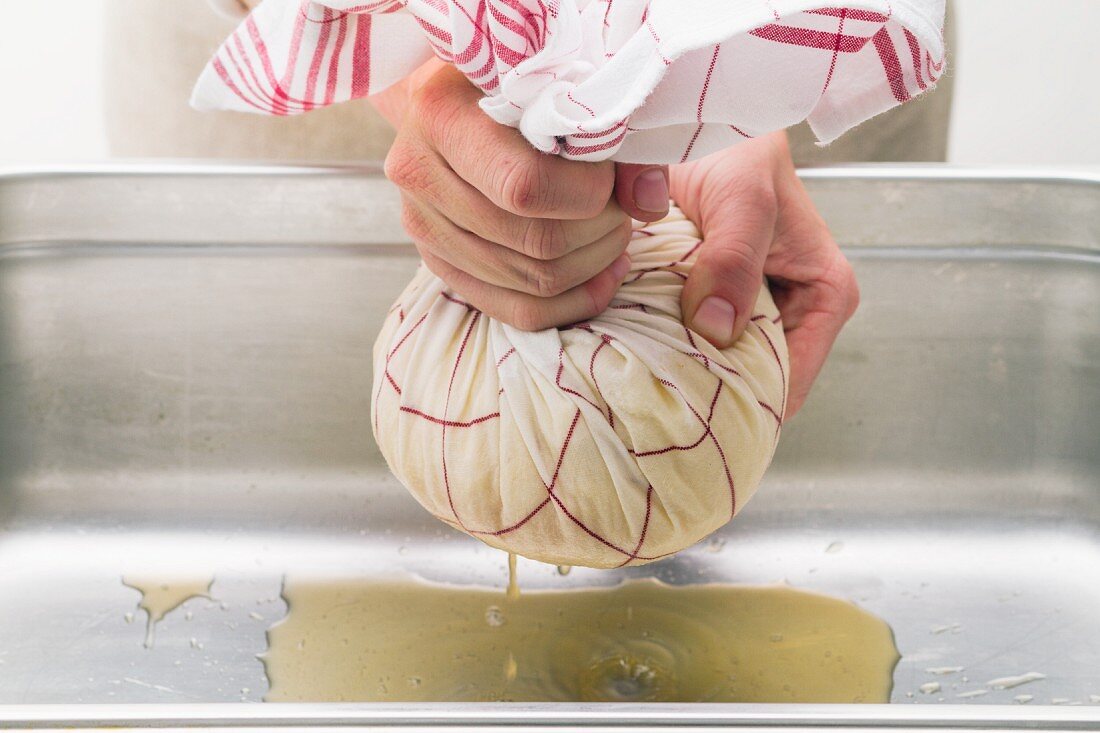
(631, 80)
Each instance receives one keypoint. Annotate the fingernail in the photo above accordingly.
(620, 267)
(714, 320)
(651, 191)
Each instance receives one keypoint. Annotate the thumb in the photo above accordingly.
(642, 190)
(720, 294)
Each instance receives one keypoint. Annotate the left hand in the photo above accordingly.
(757, 220)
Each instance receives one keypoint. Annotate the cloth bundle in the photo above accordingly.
(612, 442)
(659, 81)
(626, 438)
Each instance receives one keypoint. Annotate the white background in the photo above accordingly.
(1027, 82)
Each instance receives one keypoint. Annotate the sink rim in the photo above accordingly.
(551, 715)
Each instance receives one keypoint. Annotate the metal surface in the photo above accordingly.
(184, 391)
(480, 716)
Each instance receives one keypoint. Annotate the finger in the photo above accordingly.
(813, 316)
(642, 190)
(529, 312)
(422, 173)
(503, 267)
(720, 293)
(808, 346)
(500, 163)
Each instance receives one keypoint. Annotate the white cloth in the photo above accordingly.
(659, 81)
(613, 442)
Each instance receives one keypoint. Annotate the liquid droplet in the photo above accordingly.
(1007, 683)
(494, 616)
(564, 569)
(625, 678)
(834, 547)
(953, 628)
(929, 687)
(943, 670)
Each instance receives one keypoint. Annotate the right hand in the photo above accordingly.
(531, 239)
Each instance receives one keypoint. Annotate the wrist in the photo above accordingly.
(393, 102)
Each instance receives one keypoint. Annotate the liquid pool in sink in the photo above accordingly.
(412, 641)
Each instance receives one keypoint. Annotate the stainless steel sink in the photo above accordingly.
(184, 392)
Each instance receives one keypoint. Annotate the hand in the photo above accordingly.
(757, 220)
(531, 239)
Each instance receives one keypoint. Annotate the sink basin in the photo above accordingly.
(184, 393)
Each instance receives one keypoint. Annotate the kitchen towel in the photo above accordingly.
(646, 81)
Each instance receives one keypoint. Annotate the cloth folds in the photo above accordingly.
(648, 81)
(612, 442)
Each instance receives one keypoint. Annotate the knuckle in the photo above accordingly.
(596, 190)
(395, 165)
(624, 231)
(527, 316)
(851, 292)
(736, 259)
(428, 257)
(598, 299)
(544, 239)
(755, 193)
(545, 280)
(408, 168)
(432, 263)
(763, 199)
(415, 224)
(433, 108)
(523, 186)
(429, 97)
(841, 281)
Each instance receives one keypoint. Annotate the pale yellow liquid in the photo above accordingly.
(513, 578)
(640, 641)
(158, 597)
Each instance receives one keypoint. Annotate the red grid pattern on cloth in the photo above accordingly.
(351, 56)
(706, 437)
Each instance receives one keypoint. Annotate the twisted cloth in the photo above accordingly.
(612, 442)
(647, 81)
